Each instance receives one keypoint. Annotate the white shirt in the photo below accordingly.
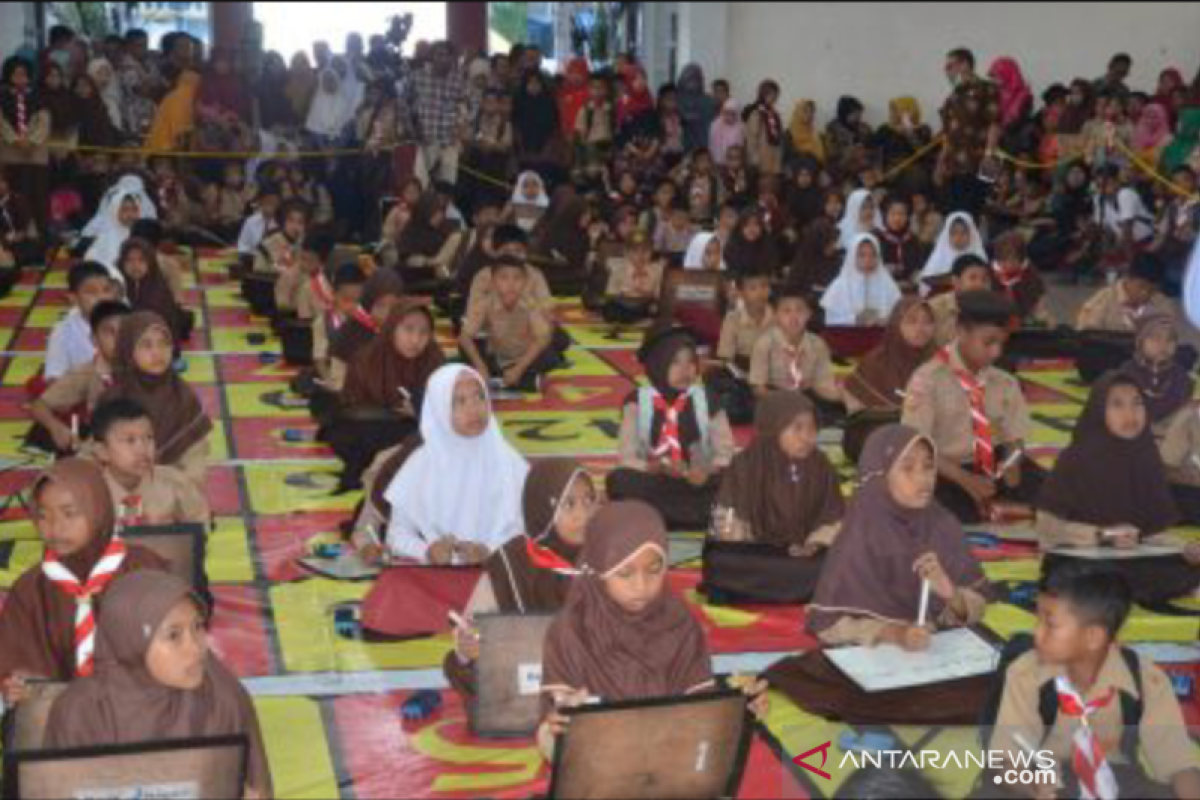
(70, 346)
(254, 230)
(1128, 208)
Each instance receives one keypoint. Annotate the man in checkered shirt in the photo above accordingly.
(439, 99)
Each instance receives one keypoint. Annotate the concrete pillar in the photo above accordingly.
(467, 25)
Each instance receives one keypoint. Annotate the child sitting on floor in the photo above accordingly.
(634, 284)
(39, 637)
(789, 357)
(71, 344)
(519, 337)
(674, 439)
(76, 393)
(864, 293)
(1104, 711)
(1156, 369)
(143, 492)
(970, 274)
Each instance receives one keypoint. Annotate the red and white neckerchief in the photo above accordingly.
(85, 613)
(1008, 279)
(132, 511)
(669, 443)
(794, 372)
(360, 315)
(22, 115)
(1088, 761)
(981, 426)
(321, 290)
(545, 558)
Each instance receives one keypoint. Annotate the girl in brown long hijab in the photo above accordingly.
(781, 490)
(894, 537)
(74, 514)
(881, 378)
(147, 288)
(390, 373)
(532, 573)
(622, 634)
(380, 294)
(157, 680)
(143, 371)
(427, 245)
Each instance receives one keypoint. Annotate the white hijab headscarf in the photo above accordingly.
(331, 111)
(941, 260)
(109, 89)
(105, 227)
(518, 197)
(849, 223)
(452, 485)
(853, 292)
(694, 258)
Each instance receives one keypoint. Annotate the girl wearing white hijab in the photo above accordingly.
(332, 105)
(458, 497)
(852, 224)
(864, 292)
(529, 201)
(697, 252)
(959, 237)
(111, 225)
(726, 131)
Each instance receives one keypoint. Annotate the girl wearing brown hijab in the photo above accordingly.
(156, 679)
(147, 288)
(1166, 384)
(622, 634)
(894, 537)
(389, 374)
(1109, 487)
(74, 514)
(781, 490)
(143, 371)
(532, 573)
(428, 244)
(675, 439)
(881, 378)
(380, 294)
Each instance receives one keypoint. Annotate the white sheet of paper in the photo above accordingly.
(529, 679)
(349, 566)
(164, 791)
(952, 655)
(1116, 554)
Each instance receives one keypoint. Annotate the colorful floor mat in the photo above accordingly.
(330, 705)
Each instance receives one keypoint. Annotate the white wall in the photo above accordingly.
(877, 51)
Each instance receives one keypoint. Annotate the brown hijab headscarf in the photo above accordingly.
(869, 569)
(531, 573)
(1167, 387)
(175, 410)
(884, 373)
(613, 654)
(37, 626)
(152, 292)
(123, 704)
(1102, 479)
(782, 500)
(422, 237)
(353, 336)
(377, 372)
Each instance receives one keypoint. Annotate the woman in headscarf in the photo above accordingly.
(752, 248)
(802, 131)
(532, 574)
(1187, 138)
(147, 289)
(143, 371)
(24, 130)
(782, 490)
(1109, 488)
(301, 85)
(1170, 88)
(764, 130)
(894, 537)
(1016, 98)
(536, 124)
(122, 205)
(861, 216)
(1167, 385)
(864, 293)
(959, 237)
(529, 201)
(817, 258)
(879, 381)
(899, 139)
(674, 440)
(639, 131)
(697, 108)
(384, 388)
(157, 680)
(573, 94)
(614, 642)
(175, 121)
(428, 244)
(727, 131)
(803, 197)
(846, 136)
(222, 92)
(438, 521)
(331, 109)
(1152, 133)
(105, 78)
(73, 511)
(57, 99)
(276, 111)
